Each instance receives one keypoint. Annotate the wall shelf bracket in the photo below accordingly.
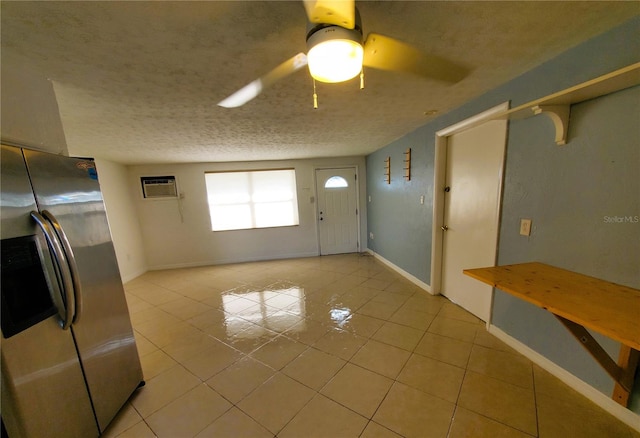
(559, 115)
(558, 105)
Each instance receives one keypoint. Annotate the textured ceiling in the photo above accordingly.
(138, 82)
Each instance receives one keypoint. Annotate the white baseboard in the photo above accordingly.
(421, 284)
(231, 261)
(136, 274)
(623, 414)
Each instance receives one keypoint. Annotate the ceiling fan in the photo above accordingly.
(336, 53)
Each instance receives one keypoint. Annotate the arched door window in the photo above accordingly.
(336, 182)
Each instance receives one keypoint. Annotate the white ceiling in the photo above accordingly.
(138, 82)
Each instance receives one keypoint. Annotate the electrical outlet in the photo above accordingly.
(371, 235)
(525, 227)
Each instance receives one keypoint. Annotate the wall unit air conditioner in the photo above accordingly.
(159, 187)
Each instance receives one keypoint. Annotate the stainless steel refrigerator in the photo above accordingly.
(69, 357)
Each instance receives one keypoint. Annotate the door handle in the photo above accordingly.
(444, 228)
(63, 268)
(71, 262)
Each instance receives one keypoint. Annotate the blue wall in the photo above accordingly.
(566, 190)
(400, 224)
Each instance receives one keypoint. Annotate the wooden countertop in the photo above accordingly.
(608, 308)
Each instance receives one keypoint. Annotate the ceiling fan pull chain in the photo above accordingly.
(362, 79)
(315, 96)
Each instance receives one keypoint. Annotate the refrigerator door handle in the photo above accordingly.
(71, 262)
(61, 262)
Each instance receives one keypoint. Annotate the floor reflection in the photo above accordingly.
(253, 313)
(340, 316)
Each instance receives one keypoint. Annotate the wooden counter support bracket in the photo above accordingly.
(628, 362)
(595, 350)
(622, 372)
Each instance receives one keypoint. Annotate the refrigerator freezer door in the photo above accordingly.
(43, 389)
(68, 188)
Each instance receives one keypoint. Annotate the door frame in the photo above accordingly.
(440, 165)
(358, 206)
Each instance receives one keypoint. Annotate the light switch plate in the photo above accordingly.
(525, 227)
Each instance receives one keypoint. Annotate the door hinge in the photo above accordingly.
(355, 176)
(356, 211)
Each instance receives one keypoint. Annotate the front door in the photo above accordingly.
(473, 182)
(337, 210)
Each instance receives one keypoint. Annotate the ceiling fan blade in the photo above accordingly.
(338, 12)
(386, 53)
(251, 90)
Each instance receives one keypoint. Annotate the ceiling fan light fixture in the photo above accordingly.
(335, 54)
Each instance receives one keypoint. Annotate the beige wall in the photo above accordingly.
(177, 232)
(123, 219)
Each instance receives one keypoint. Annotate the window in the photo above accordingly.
(252, 199)
(336, 182)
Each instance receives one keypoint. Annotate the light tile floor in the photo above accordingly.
(337, 346)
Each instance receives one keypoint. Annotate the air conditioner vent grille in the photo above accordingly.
(154, 187)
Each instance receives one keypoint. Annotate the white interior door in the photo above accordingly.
(473, 182)
(337, 210)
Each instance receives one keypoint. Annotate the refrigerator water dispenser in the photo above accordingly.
(26, 297)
